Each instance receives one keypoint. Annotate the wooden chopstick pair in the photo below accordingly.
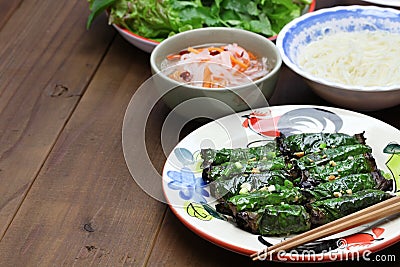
(372, 213)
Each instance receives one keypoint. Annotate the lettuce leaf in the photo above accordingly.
(159, 19)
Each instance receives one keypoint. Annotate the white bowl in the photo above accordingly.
(140, 42)
(309, 27)
(196, 101)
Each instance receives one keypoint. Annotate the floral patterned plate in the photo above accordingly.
(189, 197)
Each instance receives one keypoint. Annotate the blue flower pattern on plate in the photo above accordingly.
(189, 186)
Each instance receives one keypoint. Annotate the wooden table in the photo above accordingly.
(66, 196)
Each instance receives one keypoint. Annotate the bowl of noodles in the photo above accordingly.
(349, 55)
(213, 72)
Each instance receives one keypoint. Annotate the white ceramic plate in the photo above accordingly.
(191, 202)
(384, 2)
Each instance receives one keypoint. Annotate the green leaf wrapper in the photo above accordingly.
(274, 220)
(314, 142)
(272, 190)
(218, 157)
(228, 170)
(332, 154)
(352, 183)
(226, 188)
(259, 199)
(330, 209)
(363, 163)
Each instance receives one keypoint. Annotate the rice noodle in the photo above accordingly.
(368, 58)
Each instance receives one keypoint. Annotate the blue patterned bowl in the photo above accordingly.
(312, 26)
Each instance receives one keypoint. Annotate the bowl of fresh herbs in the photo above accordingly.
(145, 23)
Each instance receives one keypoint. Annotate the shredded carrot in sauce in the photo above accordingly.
(192, 50)
(216, 66)
(207, 78)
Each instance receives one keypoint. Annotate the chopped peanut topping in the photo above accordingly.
(337, 194)
(271, 188)
(299, 154)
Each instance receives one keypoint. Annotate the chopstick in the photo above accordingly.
(372, 213)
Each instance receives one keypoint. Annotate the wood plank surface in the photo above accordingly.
(67, 196)
(46, 61)
(178, 246)
(84, 208)
(7, 8)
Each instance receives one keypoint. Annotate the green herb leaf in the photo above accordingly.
(96, 8)
(161, 19)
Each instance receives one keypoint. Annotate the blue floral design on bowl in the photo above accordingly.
(313, 26)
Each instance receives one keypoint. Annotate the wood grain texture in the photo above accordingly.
(67, 197)
(84, 208)
(178, 246)
(7, 8)
(47, 58)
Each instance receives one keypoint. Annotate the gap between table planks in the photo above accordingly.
(84, 208)
(39, 90)
(7, 8)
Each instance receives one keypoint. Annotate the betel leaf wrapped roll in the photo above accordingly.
(317, 174)
(228, 170)
(327, 210)
(348, 185)
(313, 142)
(283, 219)
(332, 154)
(217, 157)
(226, 188)
(270, 196)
